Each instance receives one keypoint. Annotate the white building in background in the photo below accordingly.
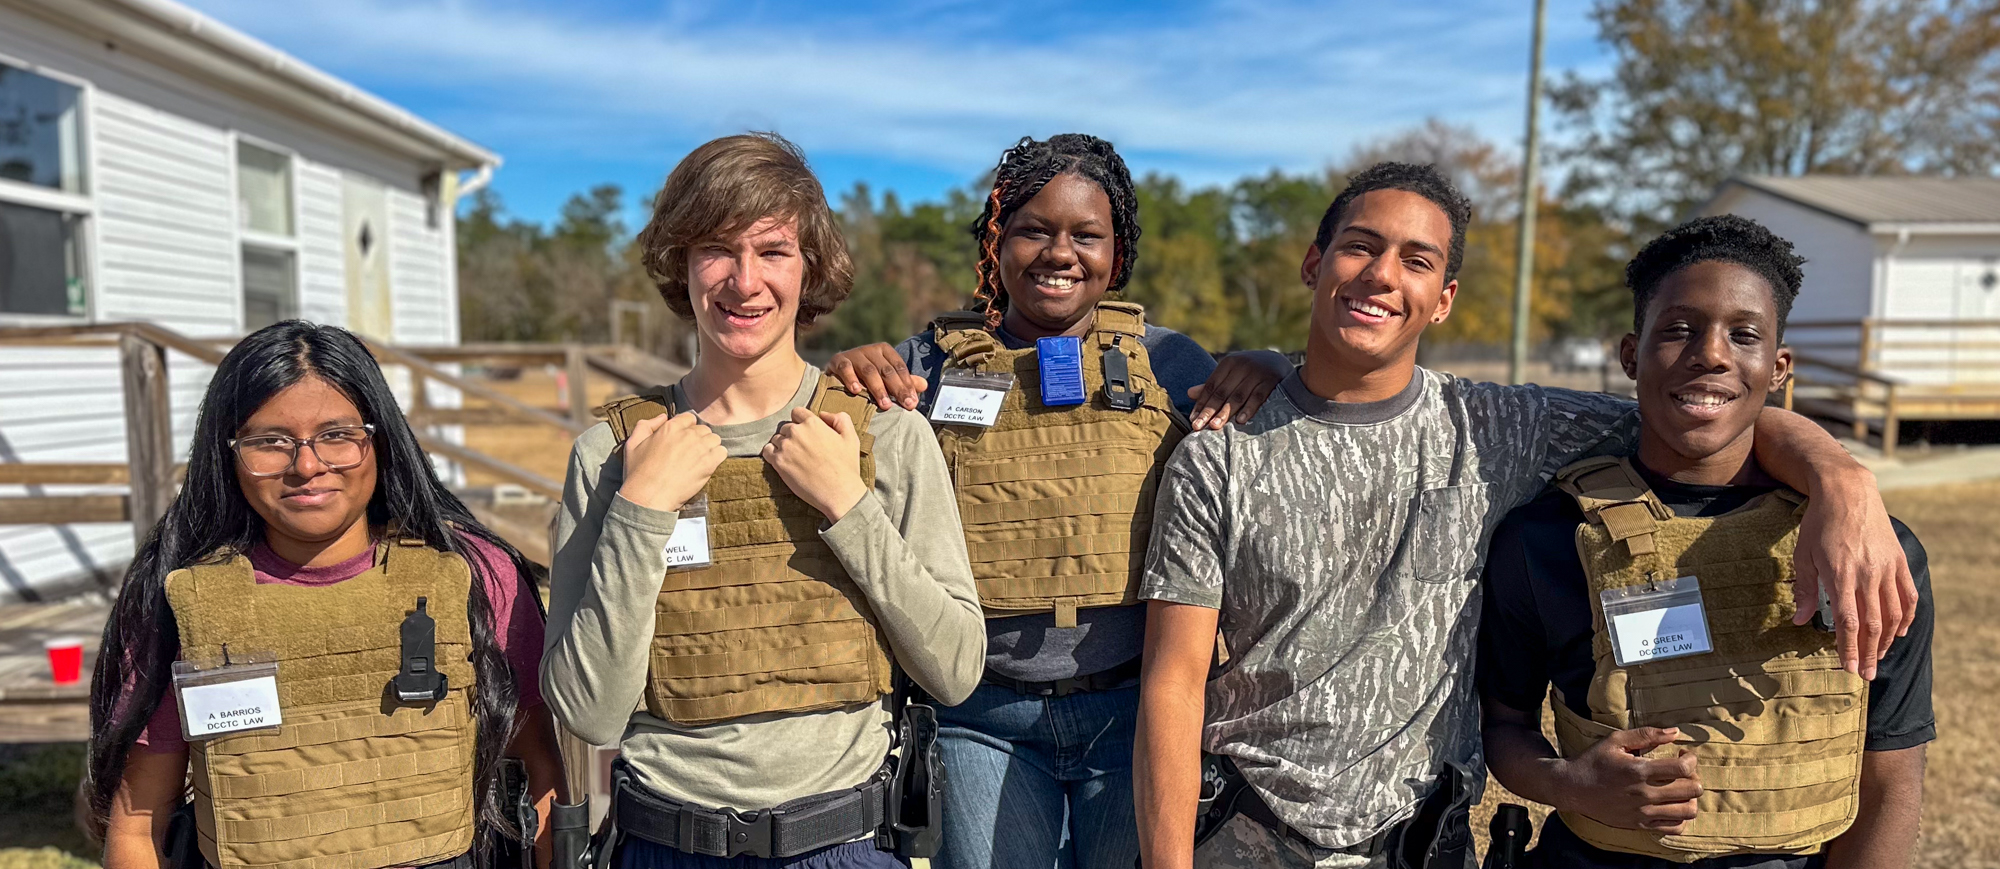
(1892, 248)
(157, 165)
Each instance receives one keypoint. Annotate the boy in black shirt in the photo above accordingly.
(1711, 299)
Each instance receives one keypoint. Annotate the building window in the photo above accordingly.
(270, 287)
(43, 210)
(266, 216)
(40, 139)
(41, 262)
(263, 190)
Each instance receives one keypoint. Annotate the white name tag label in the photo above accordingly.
(967, 405)
(688, 547)
(1659, 634)
(230, 707)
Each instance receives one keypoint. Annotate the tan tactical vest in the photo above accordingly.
(1057, 502)
(1775, 724)
(773, 624)
(351, 779)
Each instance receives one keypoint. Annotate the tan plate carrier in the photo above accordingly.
(350, 779)
(1775, 724)
(774, 623)
(1057, 502)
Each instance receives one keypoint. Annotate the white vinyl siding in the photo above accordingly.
(417, 273)
(322, 285)
(165, 233)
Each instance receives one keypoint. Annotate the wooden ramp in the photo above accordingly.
(32, 707)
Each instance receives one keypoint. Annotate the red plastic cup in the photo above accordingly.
(65, 659)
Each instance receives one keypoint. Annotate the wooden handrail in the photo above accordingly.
(515, 473)
(386, 353)
(1801, 359)
(1892, 323)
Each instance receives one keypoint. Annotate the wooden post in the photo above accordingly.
(420, 399)
(149, 431)
(1890, 423)
(579, 389)
(1865, 351)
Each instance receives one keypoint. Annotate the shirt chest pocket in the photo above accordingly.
(1446, 532)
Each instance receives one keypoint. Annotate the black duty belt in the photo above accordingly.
(797, 827)
(1437, 836)
(1107, 680)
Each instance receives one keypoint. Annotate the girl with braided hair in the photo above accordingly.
(1039, 757)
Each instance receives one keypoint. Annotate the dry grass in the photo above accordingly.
(1960, 528)
(543, 449)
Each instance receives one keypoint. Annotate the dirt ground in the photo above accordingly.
(1959, 525)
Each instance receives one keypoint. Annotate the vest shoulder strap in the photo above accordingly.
(832, 397)
(963, 337)
(625, 414)
(1124, 318)
(1612, 494)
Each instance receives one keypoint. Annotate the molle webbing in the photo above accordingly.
(1775, 724)
(1057, 501)
(349, 780)
(774, 623)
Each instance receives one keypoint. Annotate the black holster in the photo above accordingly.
(913, 820)
(569, 834)
(1439, 835)
(514, 846)
(1508, 848)
(184, 840)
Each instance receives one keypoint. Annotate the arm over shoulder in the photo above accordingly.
(1179, 362)
(1540, 430)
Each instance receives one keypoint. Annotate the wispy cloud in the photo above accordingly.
(1211, 91)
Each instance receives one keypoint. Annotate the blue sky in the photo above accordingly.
(922, 97)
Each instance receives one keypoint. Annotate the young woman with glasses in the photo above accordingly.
(313, 546)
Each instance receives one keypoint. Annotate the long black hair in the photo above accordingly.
(1023, 171)
(211, 521)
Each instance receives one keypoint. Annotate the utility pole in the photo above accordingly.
(1524, 259)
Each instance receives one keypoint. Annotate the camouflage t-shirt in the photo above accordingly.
(1343, 545)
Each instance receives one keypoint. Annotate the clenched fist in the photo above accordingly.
(818, 455)
(668, 460)
(1615, 783)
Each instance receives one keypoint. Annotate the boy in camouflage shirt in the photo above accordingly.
(1336, 540)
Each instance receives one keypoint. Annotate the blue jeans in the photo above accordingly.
(1039, 782)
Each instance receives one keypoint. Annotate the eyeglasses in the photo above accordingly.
(337, 448)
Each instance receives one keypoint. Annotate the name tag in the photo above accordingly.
(970, 397)
(1656, 622)
(688, 546)
(236, 697)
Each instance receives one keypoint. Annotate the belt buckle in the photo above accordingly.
(748, 833)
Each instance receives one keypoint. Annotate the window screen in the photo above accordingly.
(269, 288)
(41, 262)
(263, 190)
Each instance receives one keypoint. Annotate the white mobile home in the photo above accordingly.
(1916, 259)
(156, 165)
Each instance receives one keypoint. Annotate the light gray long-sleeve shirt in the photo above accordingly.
(901, 544)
